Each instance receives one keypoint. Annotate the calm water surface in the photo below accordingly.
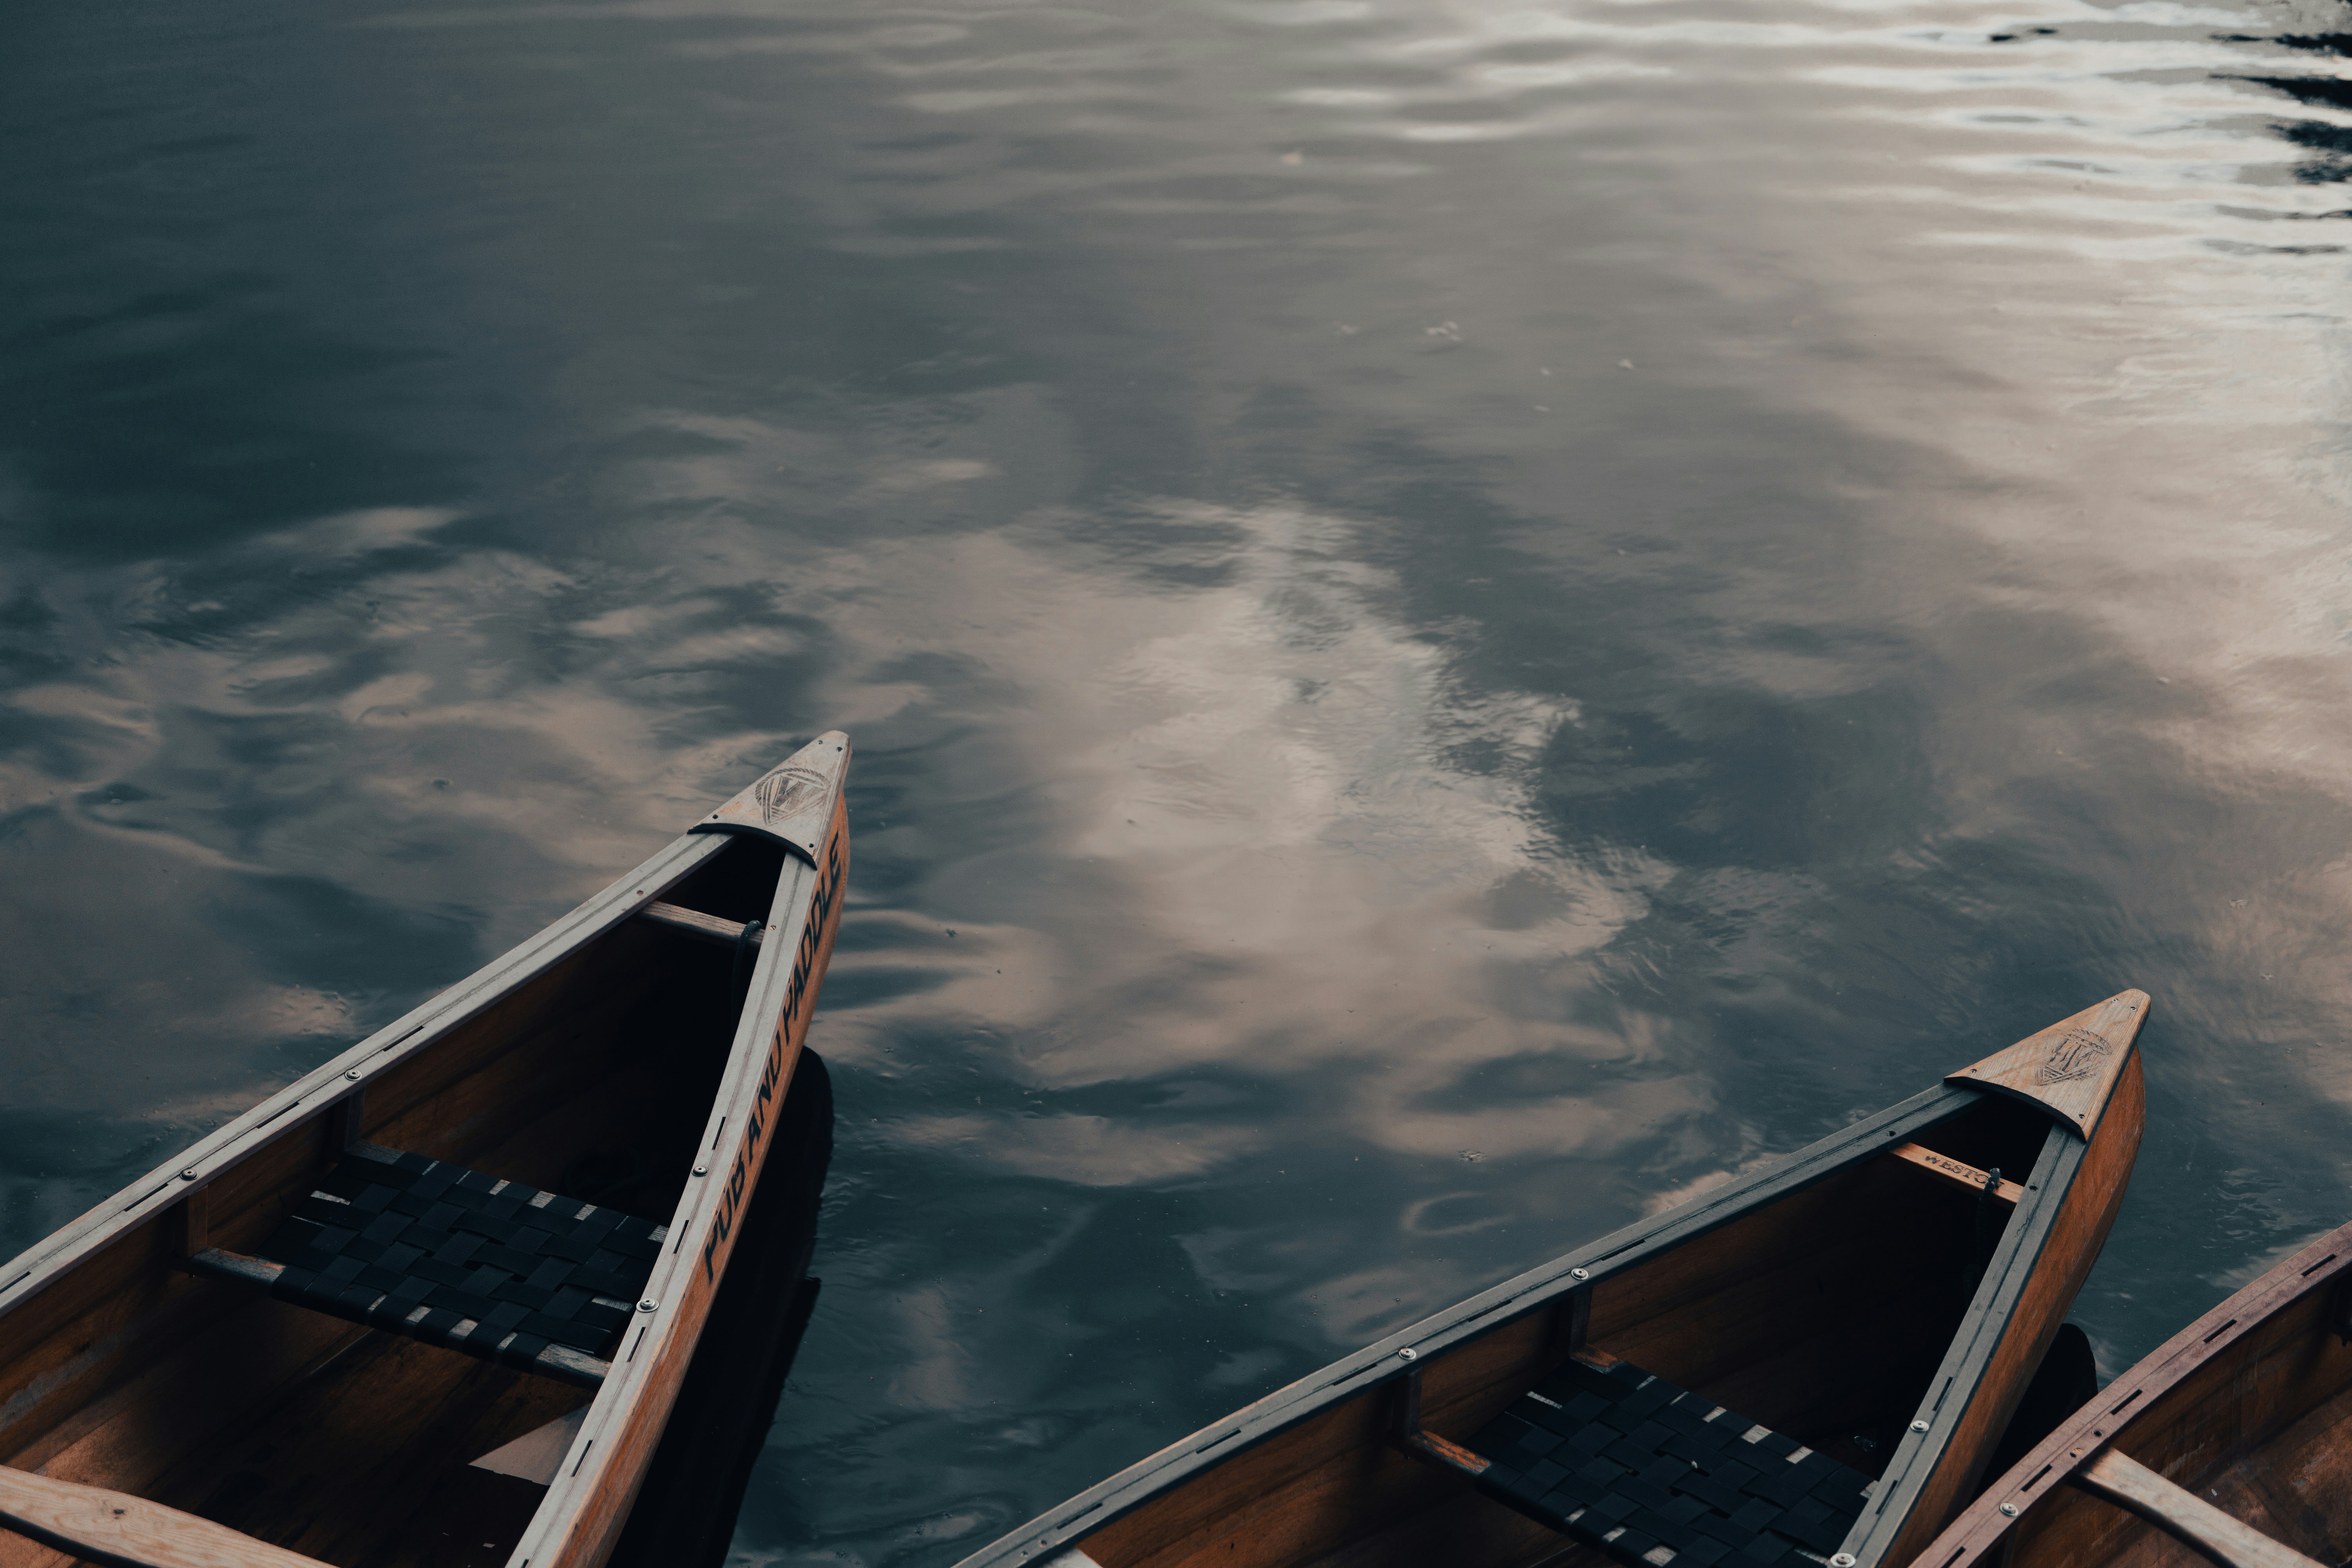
(1459, 618)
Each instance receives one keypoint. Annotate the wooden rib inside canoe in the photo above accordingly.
(632, 1065)
(1878, 1298)
(2231, 1444)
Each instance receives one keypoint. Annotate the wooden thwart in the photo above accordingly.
(1955, 1171)
(125, 1532)
(695, 924)
(2180, 1512)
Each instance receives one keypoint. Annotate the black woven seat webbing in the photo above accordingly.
(1654, 1474)
(436, 1251)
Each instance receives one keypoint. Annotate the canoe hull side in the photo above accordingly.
(2067, 1249)
(581, 1519)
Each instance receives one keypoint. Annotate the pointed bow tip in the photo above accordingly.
(792, 803)
(2069, 1069)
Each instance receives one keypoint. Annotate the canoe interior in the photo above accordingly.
(1821, 1314)
(595, 1079)
(2264, 1433)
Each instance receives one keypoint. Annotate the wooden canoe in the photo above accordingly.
(1812, 1362)
(2232, 1443)
(494, 1230)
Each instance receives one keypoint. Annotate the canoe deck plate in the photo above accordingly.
(1623, 1460)
(2069, 1069)
(792, 803)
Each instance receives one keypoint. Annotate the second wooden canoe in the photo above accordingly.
(2232, 1443)
(1812, 1362)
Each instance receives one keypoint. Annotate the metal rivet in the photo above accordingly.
(647, 1305)
(353, 1074)
(702, 1169)
(1918, 1425)
(1579, 1273)
(189, 1175)
(1843, 1560)
(2009, 1508)
(1408, 1353)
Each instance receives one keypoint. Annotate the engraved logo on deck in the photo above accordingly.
(2079, 1055)
(788, 792)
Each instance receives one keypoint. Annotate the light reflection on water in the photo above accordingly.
(1459, 618)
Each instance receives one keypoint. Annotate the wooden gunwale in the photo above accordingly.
(1982, 1527)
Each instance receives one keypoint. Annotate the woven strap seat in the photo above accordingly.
(1620, 1460)
(435, 1251)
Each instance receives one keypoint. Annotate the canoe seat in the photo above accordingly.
(1621, 1459)
(433, 1250)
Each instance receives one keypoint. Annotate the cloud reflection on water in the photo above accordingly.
(1459, 618)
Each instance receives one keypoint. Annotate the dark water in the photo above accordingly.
(1459, 617)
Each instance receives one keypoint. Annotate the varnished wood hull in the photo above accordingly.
(693, 1491)
(2248, 1410)
(611, 1058)
(1827, 1296)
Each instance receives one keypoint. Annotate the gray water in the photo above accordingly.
(1459, 618)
